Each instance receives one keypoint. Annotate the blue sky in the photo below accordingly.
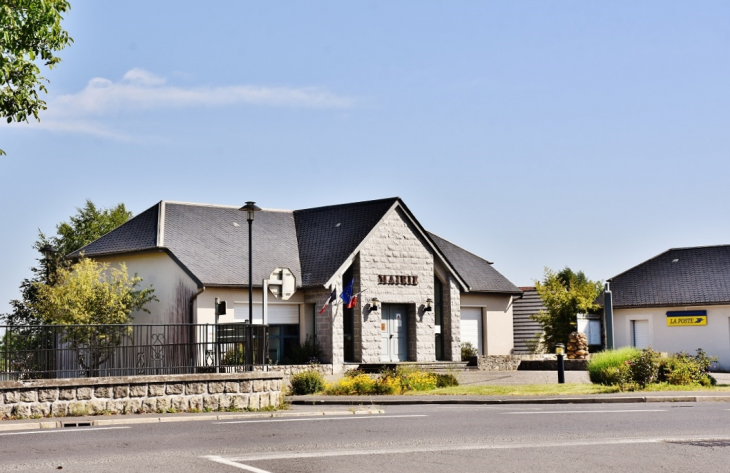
(546, 133)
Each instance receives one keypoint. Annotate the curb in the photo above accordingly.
(88, 422)
(564, 400)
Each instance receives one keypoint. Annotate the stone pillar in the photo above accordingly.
(452, 320)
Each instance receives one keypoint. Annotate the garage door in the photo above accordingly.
(640, 333)
(277, 313)
(471, 327)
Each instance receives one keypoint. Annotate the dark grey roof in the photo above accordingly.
(699, 276)
(478, 273)
(211, 242)
(328, 235)
(139, 233)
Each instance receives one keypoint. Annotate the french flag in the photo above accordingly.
(331, 299)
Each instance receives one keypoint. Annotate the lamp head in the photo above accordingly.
(250, 208)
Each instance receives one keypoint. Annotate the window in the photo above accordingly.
(640, 333)
(283, 341)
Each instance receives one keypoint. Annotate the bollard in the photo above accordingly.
(560, 351)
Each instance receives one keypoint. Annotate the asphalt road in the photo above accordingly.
(652, 437)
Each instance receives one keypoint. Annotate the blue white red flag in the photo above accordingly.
(331, 299)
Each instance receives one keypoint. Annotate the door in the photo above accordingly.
(471, 327)
(394, 333)
(640, 333)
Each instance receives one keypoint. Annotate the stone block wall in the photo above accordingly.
(452, 320)
(396, 248)
(140, 394)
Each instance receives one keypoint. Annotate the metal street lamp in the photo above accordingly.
(250, 208)
(48, 251)
(560, 351)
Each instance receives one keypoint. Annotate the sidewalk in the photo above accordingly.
(316, 405)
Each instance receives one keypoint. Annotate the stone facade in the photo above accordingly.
(396, 247)
(452, 317)
(139, 394)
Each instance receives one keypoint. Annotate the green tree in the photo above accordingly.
(564, 294)
(92, 293)
(88, 224)
(30, 32)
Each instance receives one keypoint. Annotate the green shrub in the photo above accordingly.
(644, 367)
(608, 367)
(445, 380)
(234, 356)
(467, 351)
(684, 369)
(306, 353)
(307, 382)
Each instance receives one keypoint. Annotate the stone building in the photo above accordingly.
(420, 296)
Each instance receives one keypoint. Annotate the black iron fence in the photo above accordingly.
(74, 351)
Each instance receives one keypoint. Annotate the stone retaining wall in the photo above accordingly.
(139, 394)
(523, 362)
(289, 370)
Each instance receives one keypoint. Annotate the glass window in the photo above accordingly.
(283, 342)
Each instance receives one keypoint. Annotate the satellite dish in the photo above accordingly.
(282, 283)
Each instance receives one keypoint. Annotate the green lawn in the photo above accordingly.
(559, 389)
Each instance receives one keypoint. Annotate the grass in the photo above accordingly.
(601, 363)
(559, 389)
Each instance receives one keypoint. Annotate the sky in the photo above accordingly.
(534, 134)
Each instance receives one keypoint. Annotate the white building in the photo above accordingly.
(676, 301)
(194, 253)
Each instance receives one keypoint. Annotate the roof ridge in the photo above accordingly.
(348, 204)
(462, 249)
(698, 247)
(220, 206)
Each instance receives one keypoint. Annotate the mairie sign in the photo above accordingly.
(684, 318)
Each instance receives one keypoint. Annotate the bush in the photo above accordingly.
(358, 384)
(644, 367)
(467, 351)
(684, 369)
(303, 354)
(307, 382)
(609, 367)
(445, 380)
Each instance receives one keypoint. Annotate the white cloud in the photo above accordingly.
(140, 90)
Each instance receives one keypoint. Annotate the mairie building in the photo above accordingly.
(419, 297)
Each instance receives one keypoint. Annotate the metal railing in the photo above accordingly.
(75, 351)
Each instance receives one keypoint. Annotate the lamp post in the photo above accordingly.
(250, 208)
(48, 251)
(560, 351)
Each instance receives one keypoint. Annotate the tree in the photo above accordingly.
(92, 293)
(89, 223)
(30, 32)
(564, 294)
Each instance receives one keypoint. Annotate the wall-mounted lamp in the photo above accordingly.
(374, 304)
(429, 303)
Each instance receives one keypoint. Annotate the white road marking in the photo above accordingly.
(452, 448)
(474, 406)
(308, 419)
(240, 466)
(57, 431)
(587, 412)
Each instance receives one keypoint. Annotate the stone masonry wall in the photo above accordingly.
(323, 321)
(396, 248)
(139, 394)
(452, 320)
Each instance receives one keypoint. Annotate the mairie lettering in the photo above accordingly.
(397, 280)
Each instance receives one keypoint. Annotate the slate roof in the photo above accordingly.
(328, 235)
(478, 273)
(677, 277)
(211, 242)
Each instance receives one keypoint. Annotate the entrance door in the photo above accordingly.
(394, 333)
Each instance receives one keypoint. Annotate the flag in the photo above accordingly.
(353, 302)
(331, 299)
(346, 295)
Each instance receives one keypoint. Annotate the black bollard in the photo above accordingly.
(560, 350)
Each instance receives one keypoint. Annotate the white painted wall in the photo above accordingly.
(714, 337)
(498, 328)
(173, 287)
